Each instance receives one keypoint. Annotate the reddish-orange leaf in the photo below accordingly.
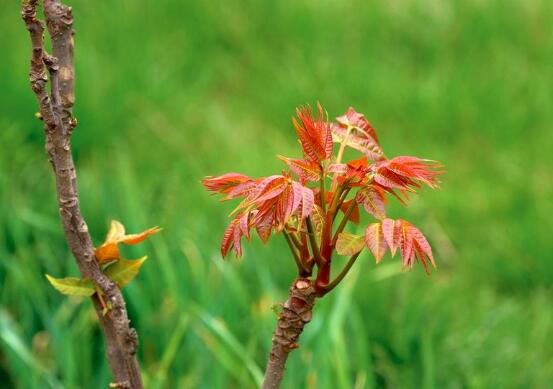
(361, 163)
(392, 234)
(374, 239)
(314, 134)
(406, 172)
(137, 238)
(224, 183)
(237, 239)
(307, 202)
(297, 197)
(109, 250)
(264, 224)
(354, 216)
(228, 237)
(270, 187)
(245, 224)
(406, 243)
(306, 170)
(356, 132)
(422, 244)
(373, 200)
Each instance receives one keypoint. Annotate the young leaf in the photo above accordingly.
(392, 234)
(406, 173)
(374, 238)
(225, 183)
(124, 271)
(354, 217)
(318, 219)
(422, 244)
(228, 237)
(349, 244)
(306, 170)
(307, 202)
(72, 286)
(109, 250)
(314, 134)
(373, 199)
(355, 131)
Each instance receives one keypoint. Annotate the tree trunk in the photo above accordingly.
(296, 313)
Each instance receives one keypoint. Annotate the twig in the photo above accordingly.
(313, 242)
(342, 274)
(344, 221)
(56, 111)
(302, 271)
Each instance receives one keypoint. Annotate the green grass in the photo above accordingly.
(171, 91)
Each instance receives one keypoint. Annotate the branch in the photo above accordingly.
(56, 111)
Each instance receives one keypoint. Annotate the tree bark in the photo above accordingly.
(296, 313)
(56, 111)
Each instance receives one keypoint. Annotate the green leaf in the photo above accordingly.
(349, 244)
(124, 270)
(72, 286)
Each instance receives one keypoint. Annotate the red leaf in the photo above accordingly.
(421, 244)
(406, 244)
(356, 132)
(305, 170)
(354, 217)
(406, 172)
(224, 183)
(392, 234)
(297, 196)
(307, 202)
(228, 236)
(314, 134)
(238, 240)
(353, 118)
(374, 201)
(361, 163)
(264, 225)
(269, 188)
(374, 239)
(245, 225)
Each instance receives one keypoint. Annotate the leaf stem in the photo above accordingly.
(342, 274)
(322, 190)
(294, 239)
(301, 269)
(343, 145)
(344, 221)
(313, 242)
(340, 155)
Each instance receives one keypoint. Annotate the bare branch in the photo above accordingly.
(56, 111)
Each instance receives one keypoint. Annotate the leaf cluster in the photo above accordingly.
(120, 270)
(304, 202)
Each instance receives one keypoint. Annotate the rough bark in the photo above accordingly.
(296, 313)
(56, 111)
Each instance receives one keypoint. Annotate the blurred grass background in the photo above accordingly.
(171, 91)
